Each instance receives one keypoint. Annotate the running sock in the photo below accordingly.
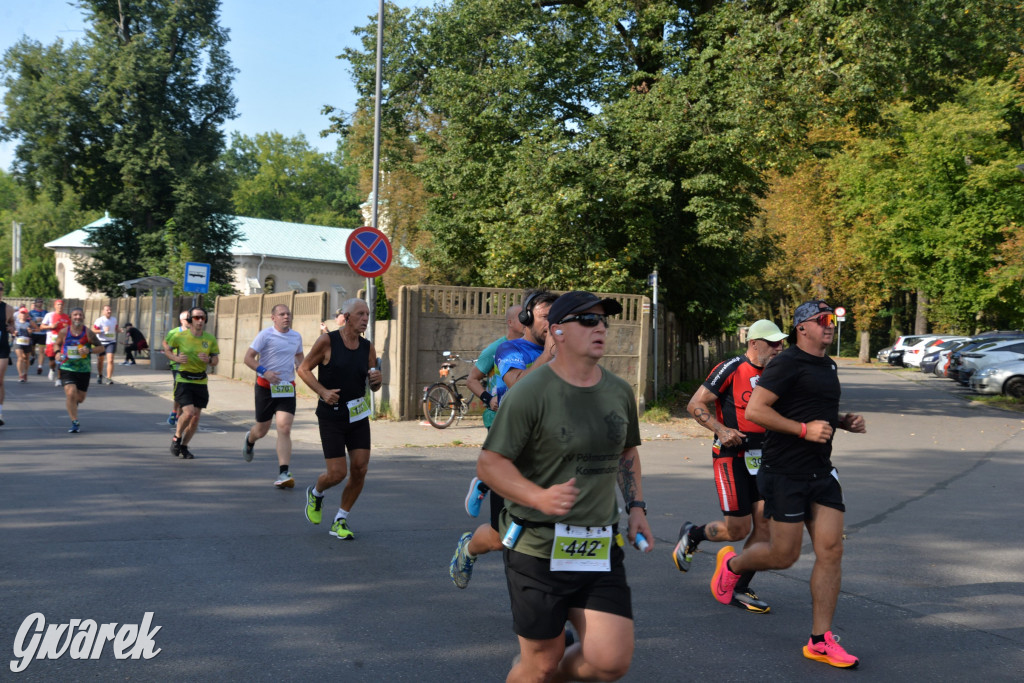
(697, 534)
(342, 514)
(283, 468)
(318, 494)
(817, 639)
(744, 583)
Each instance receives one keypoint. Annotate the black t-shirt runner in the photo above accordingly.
(808, 390)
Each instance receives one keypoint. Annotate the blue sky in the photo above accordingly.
(285, 53)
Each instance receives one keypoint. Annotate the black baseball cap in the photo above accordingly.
(577, 301)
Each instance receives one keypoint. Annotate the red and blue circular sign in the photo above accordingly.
(368, 251)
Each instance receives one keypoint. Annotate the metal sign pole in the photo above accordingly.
(371, 285)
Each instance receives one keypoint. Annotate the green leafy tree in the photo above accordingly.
(42, 220)
(285, 179)
(130, 120)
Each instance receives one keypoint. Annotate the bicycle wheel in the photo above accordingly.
(440, 405)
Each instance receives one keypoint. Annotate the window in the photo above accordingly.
(311, 286)
(268, 285)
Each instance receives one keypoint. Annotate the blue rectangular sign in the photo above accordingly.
(197, 278)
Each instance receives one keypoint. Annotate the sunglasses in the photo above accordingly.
(199, 317)
(772, 344)
(587, 319)
(825, 319)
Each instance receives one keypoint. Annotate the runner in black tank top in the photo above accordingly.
(345, 369)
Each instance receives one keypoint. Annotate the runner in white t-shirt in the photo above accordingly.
(274, 355)
(105, 328)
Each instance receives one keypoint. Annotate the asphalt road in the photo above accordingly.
(107, 525)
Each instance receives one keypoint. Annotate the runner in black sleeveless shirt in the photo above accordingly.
(346, 367)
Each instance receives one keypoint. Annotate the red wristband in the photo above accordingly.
(803, 429)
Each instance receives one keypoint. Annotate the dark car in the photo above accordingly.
(939, 353)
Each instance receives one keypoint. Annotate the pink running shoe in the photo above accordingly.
(830, 652)
(724, 581)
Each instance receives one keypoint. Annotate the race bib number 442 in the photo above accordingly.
(581, 549)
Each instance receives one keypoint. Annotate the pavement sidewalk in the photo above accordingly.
(232, 401)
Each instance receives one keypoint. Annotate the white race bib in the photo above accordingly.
(753, 460)
(77, 352)
(23, 341)
(581, 549)
(282, 390)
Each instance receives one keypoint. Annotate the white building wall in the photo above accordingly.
(67, 276)
(340, 281)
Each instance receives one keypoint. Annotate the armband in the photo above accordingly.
(803, 429)
(486, 398)
(260, 370)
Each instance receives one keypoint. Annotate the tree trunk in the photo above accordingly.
(921, 317)
(864, 354)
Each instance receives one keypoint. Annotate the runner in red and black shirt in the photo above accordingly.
(736, 453)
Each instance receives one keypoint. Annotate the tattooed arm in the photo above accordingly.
(702, 408)
(632, 489)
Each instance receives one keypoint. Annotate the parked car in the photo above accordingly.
(903, 343)
(1001, 378)
(883, 354)
(913, 355)
(937, 361)
(956, 357)
(989, 353)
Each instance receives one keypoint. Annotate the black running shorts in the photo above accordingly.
(189, 394)
(736, 486)
(267, 405)
(788, 498)
(541, 599)
(79, 379)
(337, 435)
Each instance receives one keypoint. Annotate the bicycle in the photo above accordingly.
(444, 401)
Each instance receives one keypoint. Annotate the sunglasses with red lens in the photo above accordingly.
(826, 319)
(198, 317)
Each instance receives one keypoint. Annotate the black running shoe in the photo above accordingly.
(186, 454)
(749, 601)
(175, 447)
(684, 550)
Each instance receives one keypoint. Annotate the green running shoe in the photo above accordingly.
(341, 531)
(313, 505)
(461, 566)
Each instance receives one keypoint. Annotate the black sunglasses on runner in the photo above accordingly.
(587, 319)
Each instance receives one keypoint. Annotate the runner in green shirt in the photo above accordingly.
(565, 434)
(73, 346)
(197, 350)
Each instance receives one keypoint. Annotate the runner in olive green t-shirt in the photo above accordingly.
(197, 350)
(565, 434)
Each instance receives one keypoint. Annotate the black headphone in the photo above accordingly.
(197, 308)
(526, 315)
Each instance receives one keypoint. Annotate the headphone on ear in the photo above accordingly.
(801, 328)
(526, 315)
(559, 332)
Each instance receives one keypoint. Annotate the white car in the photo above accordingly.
(912, 346)
(913, 354)
(1001, 378)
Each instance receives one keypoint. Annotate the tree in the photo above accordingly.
(285, 179)
(581, 143)
(130, 120)
(42, 220)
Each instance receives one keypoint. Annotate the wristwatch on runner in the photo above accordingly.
(637, 504)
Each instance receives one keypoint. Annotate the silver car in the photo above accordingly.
(1002, 378)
